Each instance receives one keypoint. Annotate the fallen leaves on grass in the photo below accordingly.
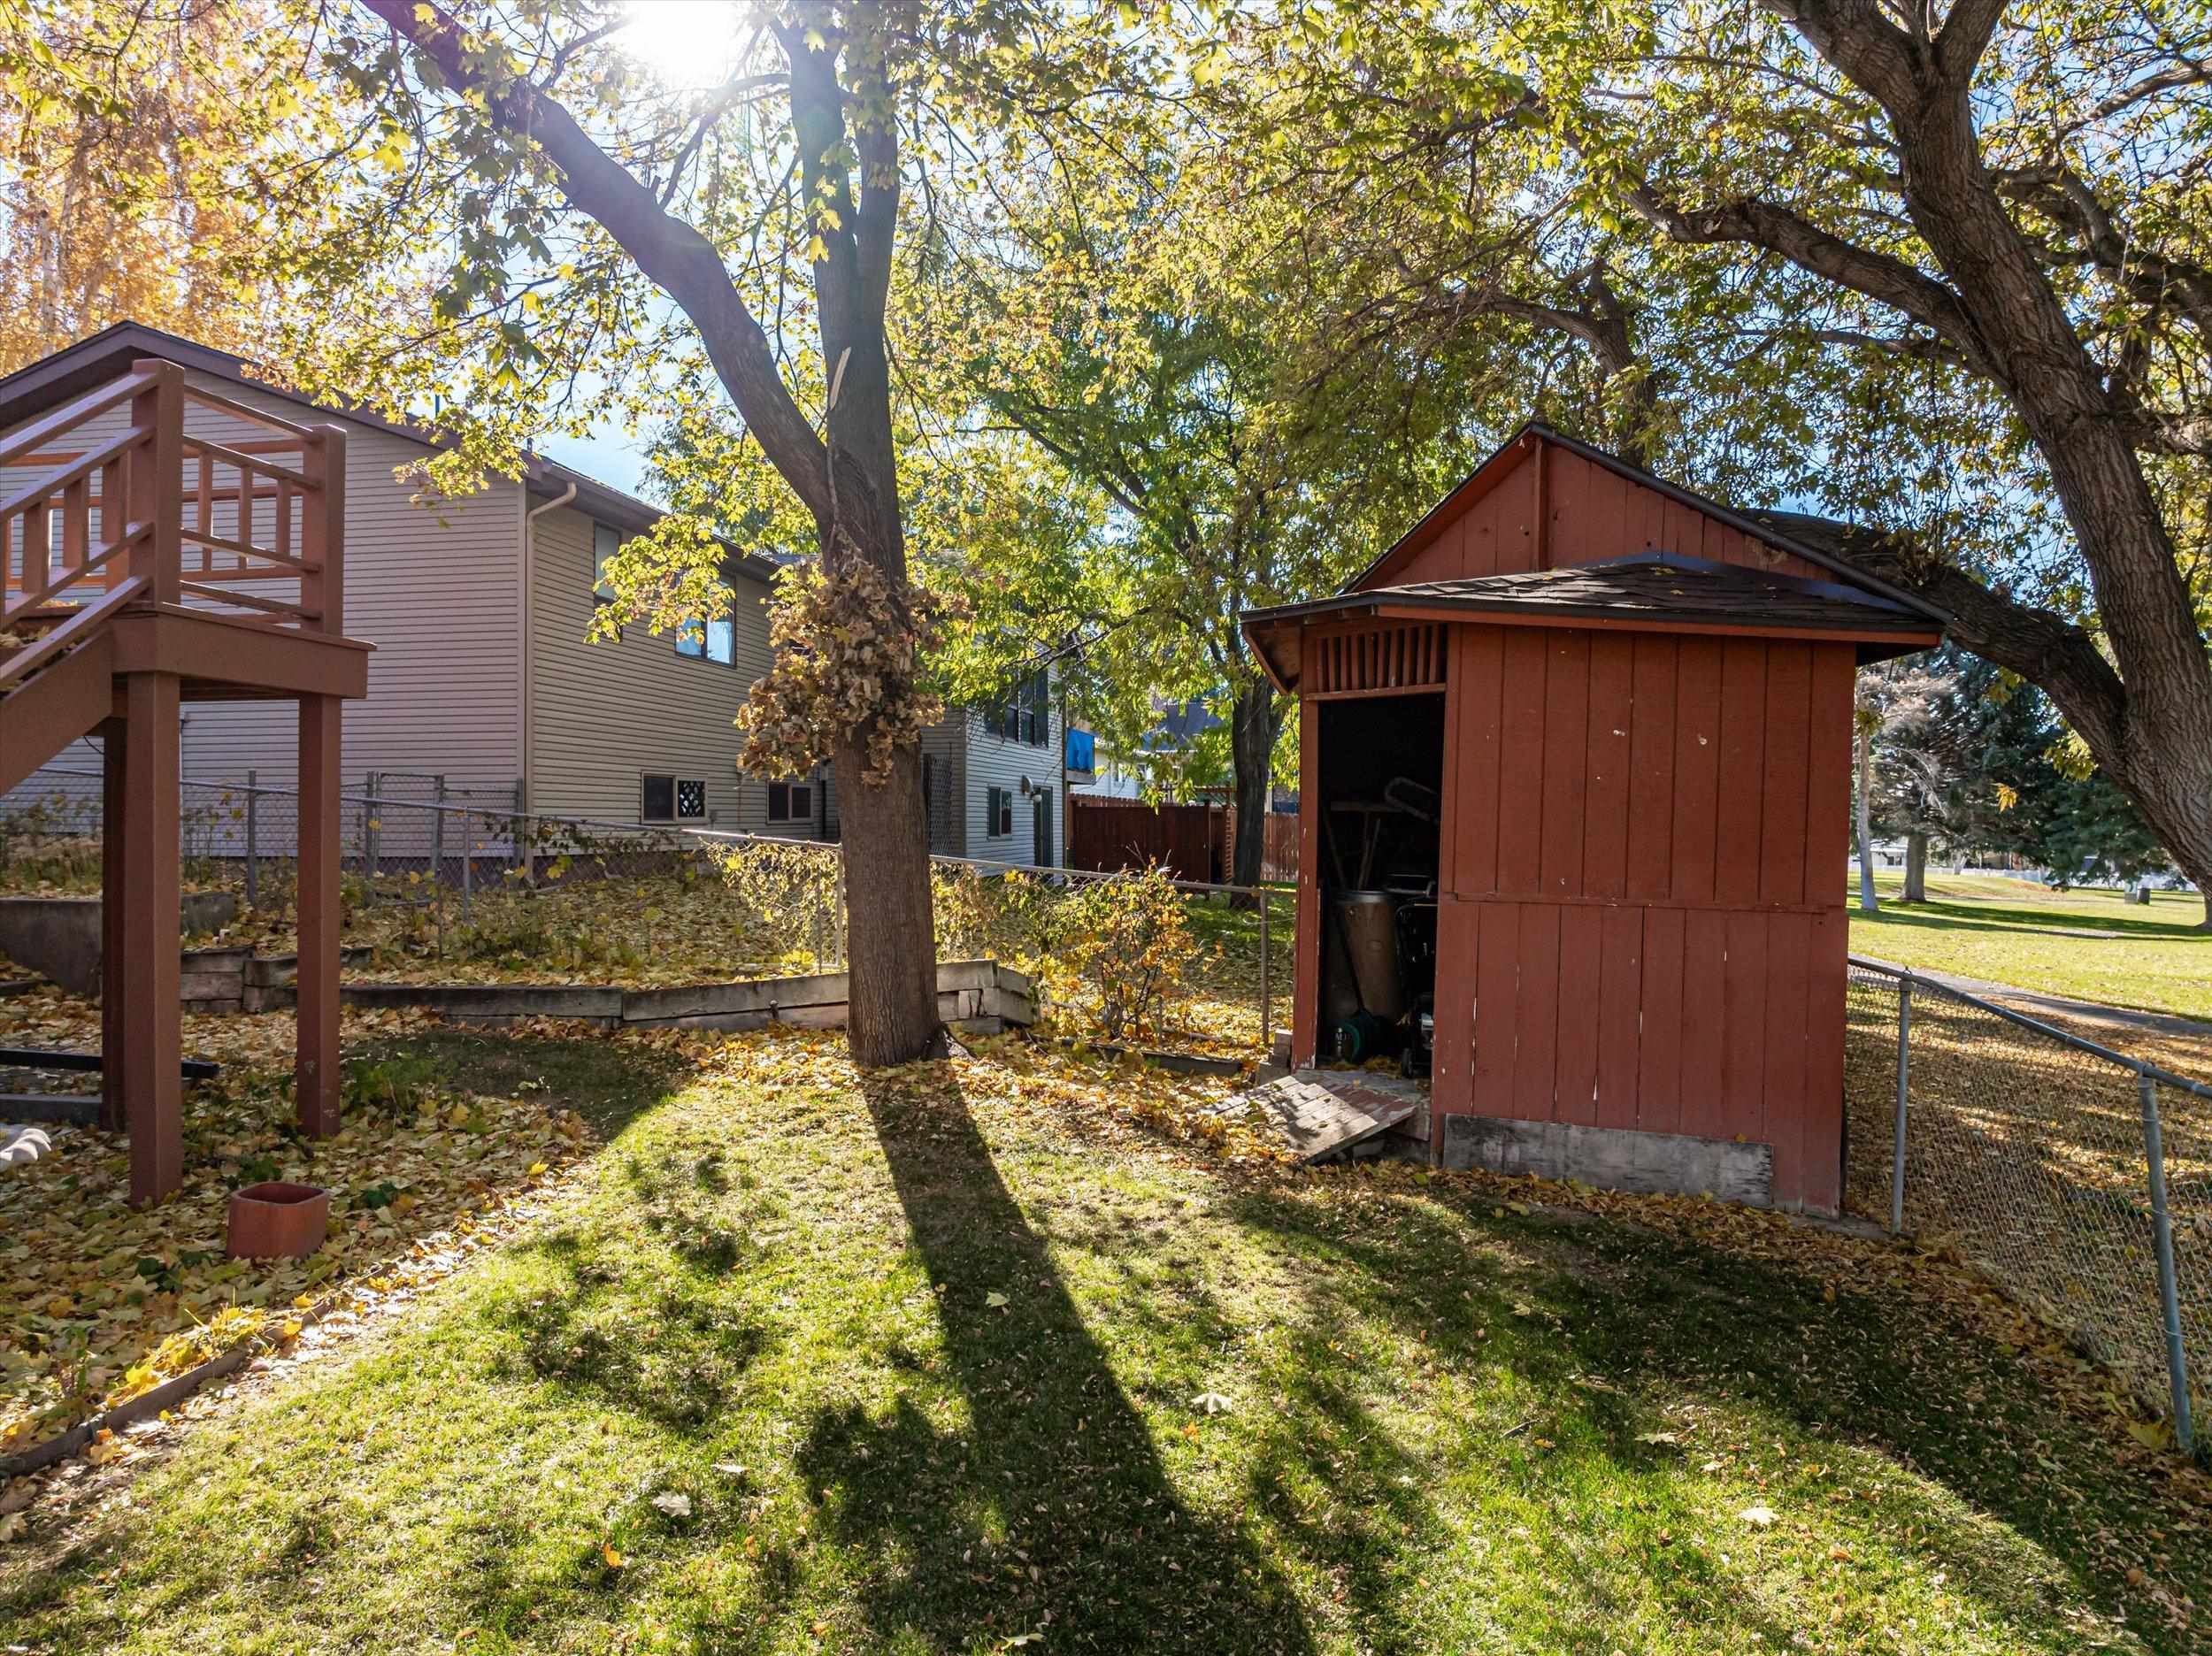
(100, 1301)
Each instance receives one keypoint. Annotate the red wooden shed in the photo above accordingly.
(1574, 793)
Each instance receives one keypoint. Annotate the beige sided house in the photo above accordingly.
(478, 611)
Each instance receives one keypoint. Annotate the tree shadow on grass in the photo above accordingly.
(1666, 1319)
(1051, 1511)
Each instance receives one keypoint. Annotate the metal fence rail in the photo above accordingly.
(437, 875)
(2077, 1179)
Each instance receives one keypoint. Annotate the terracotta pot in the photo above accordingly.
(277, 1220)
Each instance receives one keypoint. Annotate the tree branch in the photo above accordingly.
(1965, 36)
(670, 252)
(1878, 276)
(2045, 649)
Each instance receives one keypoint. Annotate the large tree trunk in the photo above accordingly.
(2159, 748)
(2145, 714)
(1862, 825)
(890, 948)
(1916, 867)
(847, 475)
(1253, 727)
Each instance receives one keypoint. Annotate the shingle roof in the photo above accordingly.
(1653, 587)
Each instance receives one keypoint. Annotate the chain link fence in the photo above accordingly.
(447, 884)
(2075, 1177)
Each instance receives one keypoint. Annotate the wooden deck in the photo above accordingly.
(143, 566)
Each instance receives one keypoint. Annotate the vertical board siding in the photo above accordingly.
(1474, 706)
(1519, 803)
(1827, 982)
(1497, 1003)
(1605, 829)
(1785, 776)
(1789, 940)
(1536, 1014)
(1566, 746)
(1642, 887)
(1743, 729)
(1621, 954)
(1651, 768)
(1581, 976)
(1696, 802)
(1704, 1021)
(1592, 515)
(1828, 771)
(1658, 1103)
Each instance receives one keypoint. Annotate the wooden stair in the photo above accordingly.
(56, 705)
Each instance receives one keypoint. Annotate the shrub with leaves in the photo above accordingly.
(1123, 945)
(1005, 916)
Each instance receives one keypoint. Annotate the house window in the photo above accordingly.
(1025, 714)
(790, 802)
(714, 639)
(998, 807)
(672, 799)
(605, 542)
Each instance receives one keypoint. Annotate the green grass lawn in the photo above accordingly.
(2016, 931)
(962, 1359)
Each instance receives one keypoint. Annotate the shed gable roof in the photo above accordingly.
(1523, 448)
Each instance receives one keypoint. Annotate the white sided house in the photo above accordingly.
(995, 778)
(479, 606)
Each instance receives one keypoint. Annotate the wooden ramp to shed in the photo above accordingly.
(1320, 1118)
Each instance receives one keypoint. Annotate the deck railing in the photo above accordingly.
(247, 527)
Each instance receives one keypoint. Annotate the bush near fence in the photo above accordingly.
(2027, 1151)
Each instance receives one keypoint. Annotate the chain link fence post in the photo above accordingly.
(253, 849)
(2168, 1287)
(372, 828)
(468, 862)
(437, 842)
(1904, 1077)
(1267, 1005)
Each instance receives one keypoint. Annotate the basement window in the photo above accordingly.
(673, 799)
(790, 802)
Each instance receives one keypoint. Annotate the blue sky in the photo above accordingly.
(608, 456)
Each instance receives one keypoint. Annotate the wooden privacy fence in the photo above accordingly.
(1190, 841)
(1193, 842)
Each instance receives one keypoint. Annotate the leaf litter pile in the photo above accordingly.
(100, 1301)
(1026, 1350)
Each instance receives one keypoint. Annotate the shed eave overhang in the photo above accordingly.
(1881, 631)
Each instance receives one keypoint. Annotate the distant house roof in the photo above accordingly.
(1654, 591)
(106, 355)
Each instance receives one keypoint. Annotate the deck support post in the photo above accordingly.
(114, 743)
(317, 1073)
(148, 935)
